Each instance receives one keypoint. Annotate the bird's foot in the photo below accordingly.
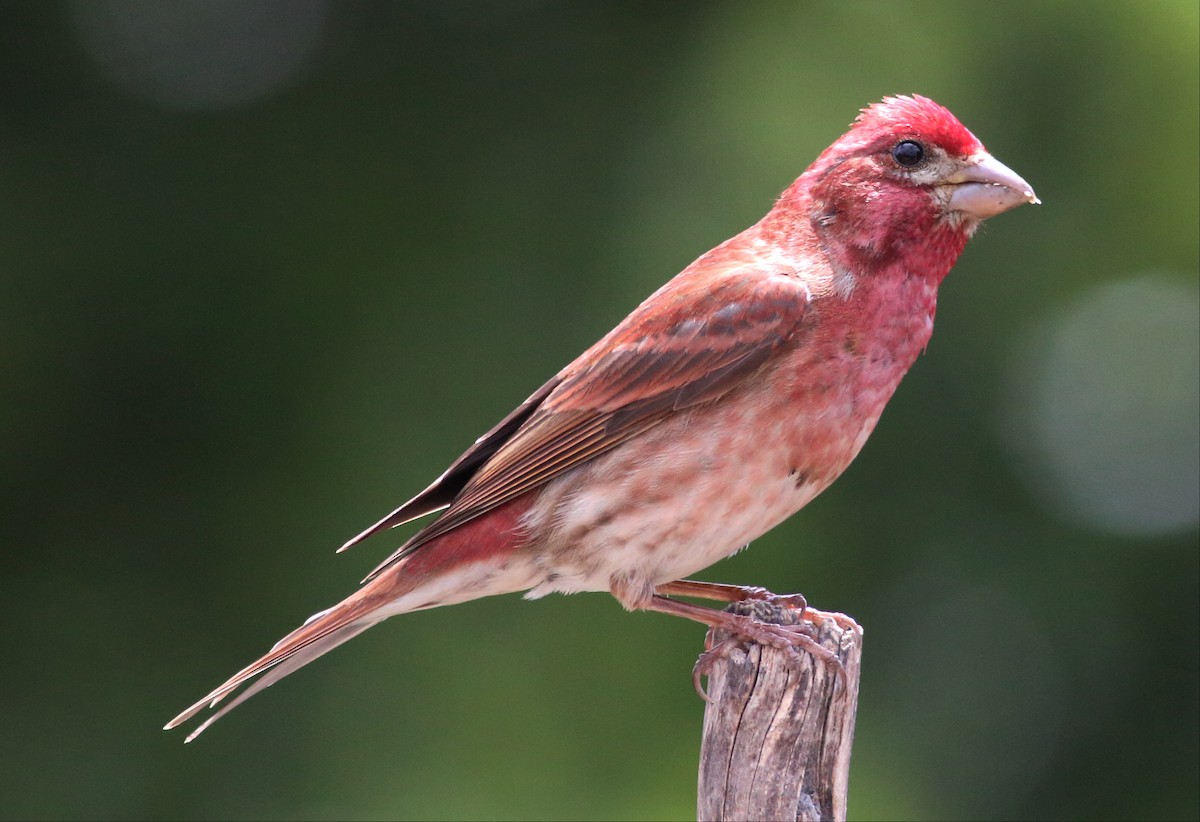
(752, 624)
(793, 639)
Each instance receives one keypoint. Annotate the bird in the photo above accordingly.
(720, 406)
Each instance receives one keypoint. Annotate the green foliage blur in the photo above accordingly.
(254, 295)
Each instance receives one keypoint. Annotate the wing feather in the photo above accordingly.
(442, 491)
(711, 337)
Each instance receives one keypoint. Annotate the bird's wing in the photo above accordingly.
(693, 341)
(442, 491)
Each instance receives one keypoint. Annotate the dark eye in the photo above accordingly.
(908, 153)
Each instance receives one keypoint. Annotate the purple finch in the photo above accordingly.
(726, 401)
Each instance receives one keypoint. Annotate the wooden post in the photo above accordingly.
(779, 727)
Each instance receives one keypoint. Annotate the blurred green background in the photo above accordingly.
(266, 267)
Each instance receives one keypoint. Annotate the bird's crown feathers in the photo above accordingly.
(914, 116)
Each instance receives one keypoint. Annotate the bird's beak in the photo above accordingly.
(985, 187)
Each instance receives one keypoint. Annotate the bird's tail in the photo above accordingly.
(471, 561)
(320, 633)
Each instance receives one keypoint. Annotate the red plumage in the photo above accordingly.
(721, 405)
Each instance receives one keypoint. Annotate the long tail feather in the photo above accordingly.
(469, 562)
(320, 634)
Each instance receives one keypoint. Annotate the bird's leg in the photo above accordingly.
(729, 593)
(787, 637)
(723, 592)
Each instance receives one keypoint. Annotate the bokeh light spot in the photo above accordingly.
(200, 54)
(1103, 408)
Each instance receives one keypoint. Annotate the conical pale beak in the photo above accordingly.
(986, 187)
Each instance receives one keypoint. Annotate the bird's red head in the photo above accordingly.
(907, 184)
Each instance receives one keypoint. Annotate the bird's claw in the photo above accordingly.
(704, 664)
(841, 620)
(789, 638)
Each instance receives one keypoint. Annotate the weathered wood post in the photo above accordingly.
(779, 727)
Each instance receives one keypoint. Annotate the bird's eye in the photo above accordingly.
(908, 153)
